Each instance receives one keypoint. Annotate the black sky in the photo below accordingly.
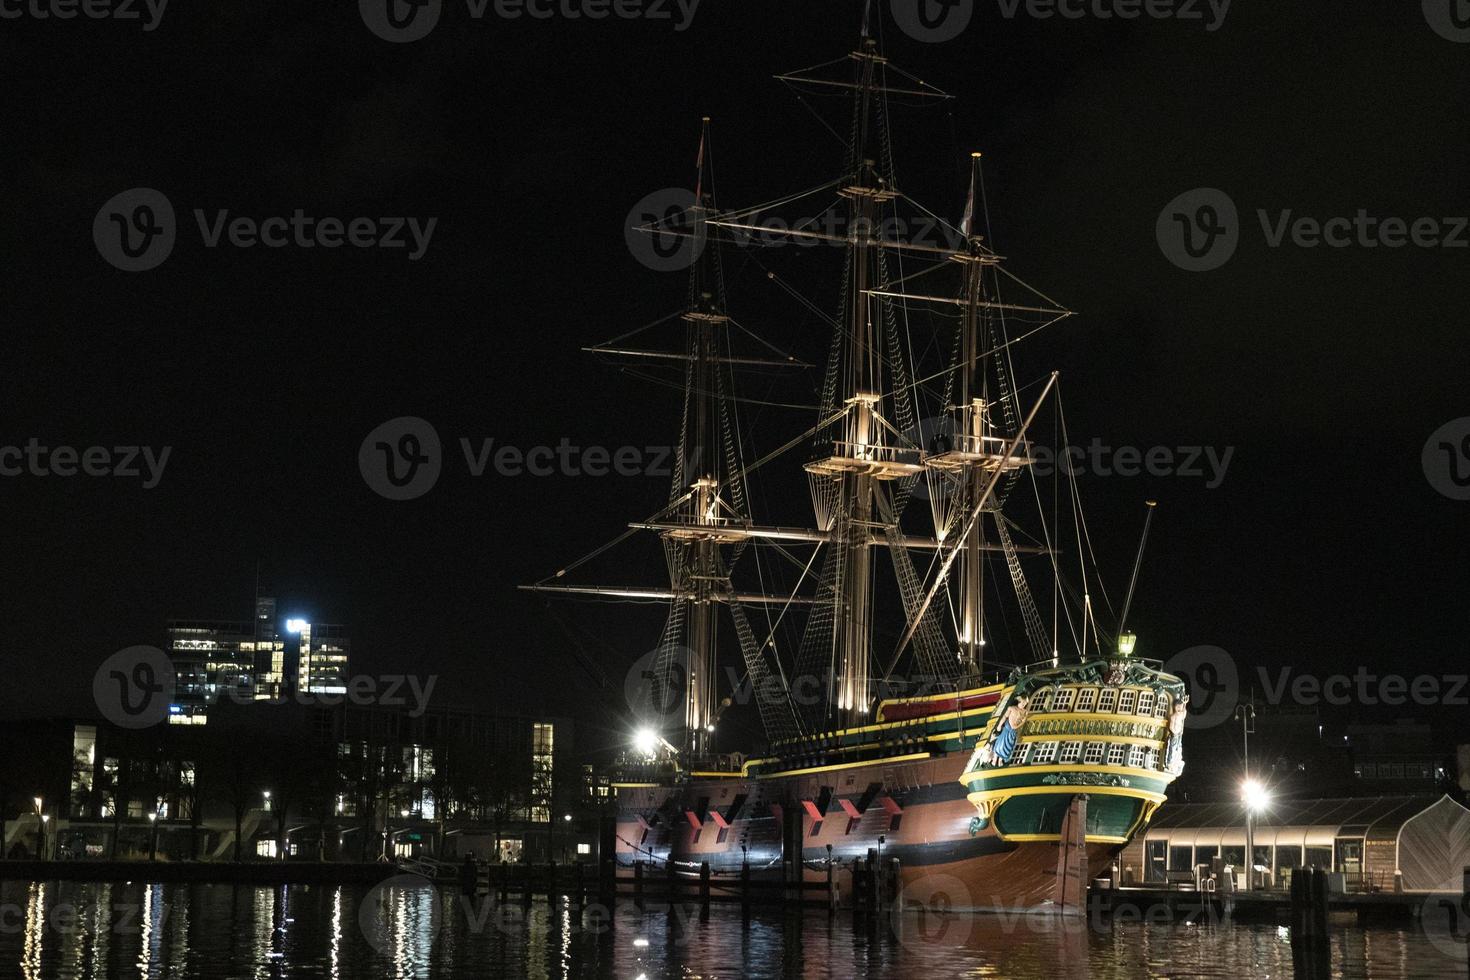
(1326, 369)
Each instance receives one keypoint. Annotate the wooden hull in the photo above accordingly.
(921, 813)
(983, 803)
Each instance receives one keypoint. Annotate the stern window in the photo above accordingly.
(1087, 699)
(1071, 752)
(1093, 756)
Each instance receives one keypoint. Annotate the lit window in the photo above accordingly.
(1093, 756)
(1117, 754)
(1135, 756)
(1043, 700)
(1071, 752)
(1064, 699)
(1046, 752)
(1126, 701)
(1146, 702)
(1161, 709)
(1109, 699)
(584, 848)
(1087, 699)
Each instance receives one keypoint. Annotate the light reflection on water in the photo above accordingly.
(73, 930)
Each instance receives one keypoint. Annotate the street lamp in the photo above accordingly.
(1252, 793)
(267, 795)
(153, 836)
(44, 819)
(1256, 798)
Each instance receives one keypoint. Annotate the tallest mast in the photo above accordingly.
(847, 483)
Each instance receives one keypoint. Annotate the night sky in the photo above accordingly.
(1326, 369)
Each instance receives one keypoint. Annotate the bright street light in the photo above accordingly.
(1255, 796)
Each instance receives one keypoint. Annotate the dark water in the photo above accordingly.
(66, 930)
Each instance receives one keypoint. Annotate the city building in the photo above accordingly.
(256, 659)
(294, 780)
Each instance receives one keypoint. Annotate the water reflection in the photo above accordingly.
(407, 929)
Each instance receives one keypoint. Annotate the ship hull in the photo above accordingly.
(920, 817)
(1011, 797)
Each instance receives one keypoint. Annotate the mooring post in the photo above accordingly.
(831, 884)
(704, 891)
(638, 883)
(744, 883)
(607, 864)
(871, 883)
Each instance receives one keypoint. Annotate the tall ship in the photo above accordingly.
(901, 653)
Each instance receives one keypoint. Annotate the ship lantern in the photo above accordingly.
(1126, 643)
